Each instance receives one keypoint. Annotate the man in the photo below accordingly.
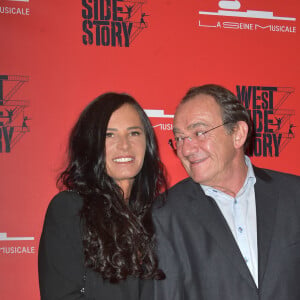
(231, 231)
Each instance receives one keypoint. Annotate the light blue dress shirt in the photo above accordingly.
(240, 214)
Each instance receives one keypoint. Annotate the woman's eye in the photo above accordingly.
(178, 139)
(109, 134)
(135, 133)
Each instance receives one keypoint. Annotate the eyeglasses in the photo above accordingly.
(197, 135)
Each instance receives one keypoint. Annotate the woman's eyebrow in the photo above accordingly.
(112, 129)
(135, 127)
(128, 128)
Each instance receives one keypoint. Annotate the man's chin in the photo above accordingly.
(197, 178)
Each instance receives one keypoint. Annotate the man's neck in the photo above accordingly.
(234, 179)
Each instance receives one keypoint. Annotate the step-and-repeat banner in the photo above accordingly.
(57, 56)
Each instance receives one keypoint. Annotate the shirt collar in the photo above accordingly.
(250, 178)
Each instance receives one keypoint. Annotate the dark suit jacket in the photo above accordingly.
(62, 273)
(201, 259)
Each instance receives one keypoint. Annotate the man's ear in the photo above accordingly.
(240, 134)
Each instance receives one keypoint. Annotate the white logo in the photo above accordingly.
(157, 113)
(236, 5)
(19, 0)
(8, 10)
(231, 9)
(164, 126)
(160, 113)
(15, 249)
(3, 237)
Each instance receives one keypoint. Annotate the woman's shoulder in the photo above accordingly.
(65, 204)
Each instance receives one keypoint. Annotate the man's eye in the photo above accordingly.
(199, 133)
(109, 134)
(178, 139)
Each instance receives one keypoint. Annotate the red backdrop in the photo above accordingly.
(56, 56)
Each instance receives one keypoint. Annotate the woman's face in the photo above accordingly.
(125, 146)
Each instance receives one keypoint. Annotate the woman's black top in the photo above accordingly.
(62, 273)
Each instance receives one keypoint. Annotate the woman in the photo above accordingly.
(98, 241)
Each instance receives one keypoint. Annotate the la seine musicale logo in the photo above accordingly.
(13, 10)
(23, 247)
(14, 118)
(114, 23)
(160, 114)
(230, 16)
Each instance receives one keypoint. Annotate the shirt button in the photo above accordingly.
(235, 201)
(240, 229)
(82, 291)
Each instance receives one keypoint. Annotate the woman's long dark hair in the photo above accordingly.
(118, 239)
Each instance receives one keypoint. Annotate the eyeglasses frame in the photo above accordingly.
(170, 141)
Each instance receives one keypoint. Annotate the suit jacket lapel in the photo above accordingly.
(266, 206)
(213, 220)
